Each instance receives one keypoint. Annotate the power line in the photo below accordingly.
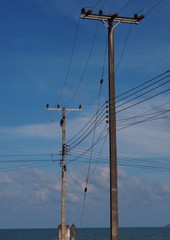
(87, 126)
(140, 85)
(70, 62)
(150, 10)
(162, 84)
(85, 134)
(146, 113)
(121, 56)
(85, 68)
(91, 153)
(135, 104)
(125, 6)
(133, 162)
(141, 121)
(102, 118)
(28, 155)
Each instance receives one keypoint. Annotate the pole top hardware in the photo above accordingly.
(61, 109)
(110, 17)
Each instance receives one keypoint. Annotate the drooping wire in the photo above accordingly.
(70, 62)
(91, 127)
(85, 68)
(87, 126)
(99, 139)
(102, 118)
(103, 70)
(99, 156)
(91, 153)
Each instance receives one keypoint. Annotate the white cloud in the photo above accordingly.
(46, 130)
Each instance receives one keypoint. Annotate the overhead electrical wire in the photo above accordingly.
(132, 99)
(70, 61)
(90, 131)
(99, 139)
(150, 10)
(86, 65)
(140, 85)
(144, 100)
(102, 74)
(128, 161)
(133, 162)
(91, 154)
(95, 5)
(28, 155)
(88, 125)
(145, 113)
(141, 121)
(14, 168)
(122, 8)
(84, 131)
(123, 50)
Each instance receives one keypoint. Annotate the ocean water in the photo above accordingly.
(88, 234)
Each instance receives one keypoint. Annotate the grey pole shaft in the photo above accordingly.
(63, 182)
(112, 140)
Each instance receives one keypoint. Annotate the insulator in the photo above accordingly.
(100, 12)
(107, 106)
(58, 106)
(88, 12)
(85, 190)
(107, 121)
(114, 15)
(140, 17)
(135, 15)
(107, 111)
(80, 106)
(107, 101)
(101, 81)
(47, 105)
(83, 10)
(107, 116)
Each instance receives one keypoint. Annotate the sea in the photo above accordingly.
(162, 233)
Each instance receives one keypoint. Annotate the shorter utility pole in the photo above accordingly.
(63, 228)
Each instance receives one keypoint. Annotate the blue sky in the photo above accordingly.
(36, 44)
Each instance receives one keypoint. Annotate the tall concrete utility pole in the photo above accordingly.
(63, 168)
(109, 20)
